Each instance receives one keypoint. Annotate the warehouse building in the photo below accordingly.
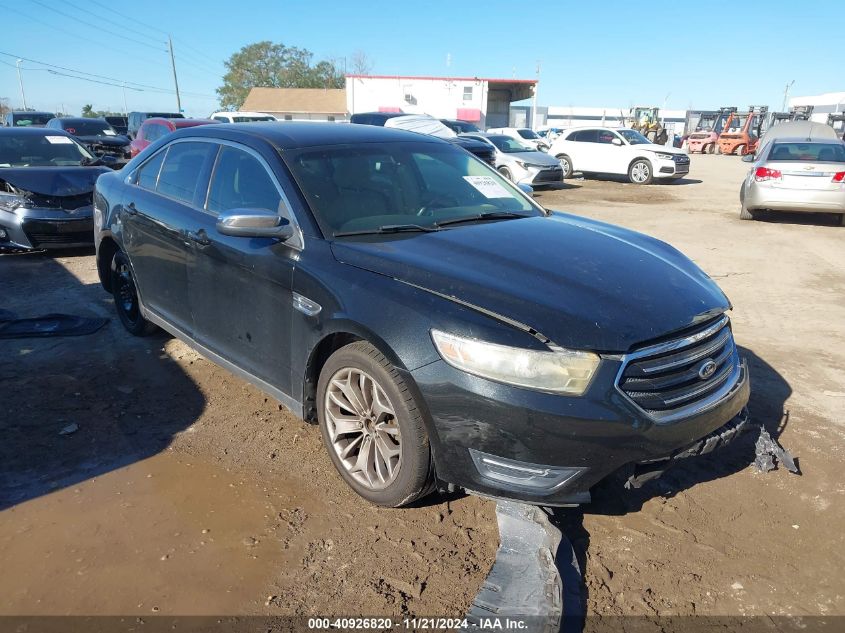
(482, 101)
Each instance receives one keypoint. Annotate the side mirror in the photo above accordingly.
(526, 189)
(254, 223)
(749, 158)
(617, 142)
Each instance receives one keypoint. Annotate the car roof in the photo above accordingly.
(179, 123)
(296, 134)
(72, 119)
(34, 131)
(807, 141)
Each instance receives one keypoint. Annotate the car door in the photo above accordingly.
(154, 221)
(241, 287)
(605, 154)
(582, 150)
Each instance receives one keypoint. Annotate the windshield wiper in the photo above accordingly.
(487, 215)
(389, 228)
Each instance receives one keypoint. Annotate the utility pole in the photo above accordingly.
(20, 81)
(534, 103)
(175, 80)
(786, 95)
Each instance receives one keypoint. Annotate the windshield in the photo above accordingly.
(812, 152)
(706, 122)
(251, 119)
(508, 145)
(633, 137)
(365, 187)
(92, 127)
(527, 133)
(41, 151)
(32, 118)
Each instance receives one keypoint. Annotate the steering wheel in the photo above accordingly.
(444, 200)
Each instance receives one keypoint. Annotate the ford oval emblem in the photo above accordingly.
(707, 369)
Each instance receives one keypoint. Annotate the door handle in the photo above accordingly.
(200, 237)
(131, 209)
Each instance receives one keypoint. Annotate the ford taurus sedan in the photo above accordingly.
(440, 327)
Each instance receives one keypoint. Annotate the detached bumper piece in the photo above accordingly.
(652, 469)
(523, 590)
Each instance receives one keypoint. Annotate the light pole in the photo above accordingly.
(786, 95)
(20, 81)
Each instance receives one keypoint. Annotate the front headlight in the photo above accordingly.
(561, 371)
(665, 156)
(10, 202)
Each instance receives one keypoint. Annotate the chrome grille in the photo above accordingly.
(688, 373)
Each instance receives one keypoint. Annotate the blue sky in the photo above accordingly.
(603, 53)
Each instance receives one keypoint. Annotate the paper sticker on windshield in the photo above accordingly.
(488, 187)
(59, 140)
(108, 132)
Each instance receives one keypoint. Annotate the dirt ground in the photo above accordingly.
(186, 491)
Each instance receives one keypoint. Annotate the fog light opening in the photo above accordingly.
(513, 473)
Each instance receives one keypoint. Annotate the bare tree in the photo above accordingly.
(360, 63)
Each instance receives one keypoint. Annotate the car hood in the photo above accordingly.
(665, 149)
(107, 141)
(583, 284)
(535, 158)
(53, 181)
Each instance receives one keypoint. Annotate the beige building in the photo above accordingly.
(299, 104)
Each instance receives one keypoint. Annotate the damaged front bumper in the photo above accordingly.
(32, 228)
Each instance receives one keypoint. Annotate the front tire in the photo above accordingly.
(372, 427)
(740, 150)
(640, 172)
(565, 165)
(125, 295)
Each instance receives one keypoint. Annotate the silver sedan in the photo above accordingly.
(795, 174)
(521, 164)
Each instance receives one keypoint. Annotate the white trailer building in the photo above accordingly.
(823, 104)
(485, 102)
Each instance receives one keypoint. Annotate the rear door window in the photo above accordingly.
(585, 136)
(148, 172)
(183, 171)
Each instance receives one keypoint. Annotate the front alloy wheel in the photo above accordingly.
(362, 428)
(373, 426)
(640, 172)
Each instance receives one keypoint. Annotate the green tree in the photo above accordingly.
(270, 65)
(88, 111)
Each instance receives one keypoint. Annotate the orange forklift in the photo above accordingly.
(742, 131)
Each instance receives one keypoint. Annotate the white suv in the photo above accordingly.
(241, 117)
(619, 151)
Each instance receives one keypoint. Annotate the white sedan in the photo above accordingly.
(622, 151)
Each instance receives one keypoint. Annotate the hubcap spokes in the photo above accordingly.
(362, 428)
(640, 172)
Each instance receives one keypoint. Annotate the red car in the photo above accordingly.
(153, 129)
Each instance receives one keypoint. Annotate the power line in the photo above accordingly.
(87, 40)
(119, 82)
(98, 27)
